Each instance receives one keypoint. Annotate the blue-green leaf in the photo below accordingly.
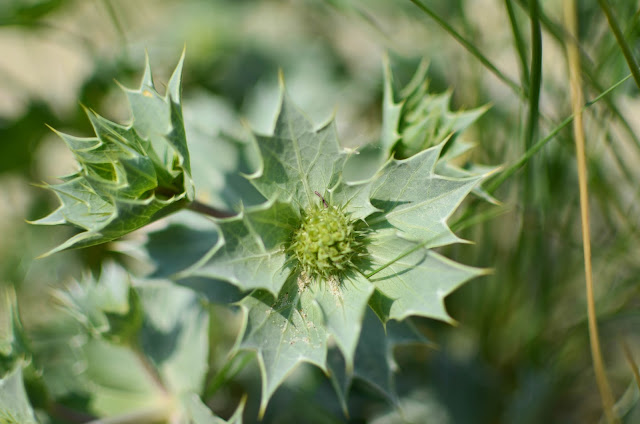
(414, 280)
(251, 252)
(130, 175)
(416, 201)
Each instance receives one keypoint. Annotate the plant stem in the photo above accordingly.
(570, 15)
(228, 371)
(630, 26)
(204, 209)
(536, 169)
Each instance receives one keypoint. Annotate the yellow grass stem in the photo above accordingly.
(570, 16)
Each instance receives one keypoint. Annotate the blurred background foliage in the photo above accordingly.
(520, 352)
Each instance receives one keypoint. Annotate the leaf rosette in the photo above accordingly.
(322, 251)
(128, 175)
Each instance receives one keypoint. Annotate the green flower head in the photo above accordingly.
(328, 242)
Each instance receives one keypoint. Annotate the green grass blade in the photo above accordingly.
(519, 44)
(536, 73)
(626, 50)
(631, 26)
(531, 130)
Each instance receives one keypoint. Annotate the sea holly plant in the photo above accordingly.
(321, 250)
(325, 270)
(414, 119)
(129, 175)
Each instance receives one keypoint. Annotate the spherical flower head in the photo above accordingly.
(327, 242)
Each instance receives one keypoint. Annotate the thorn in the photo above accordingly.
(324, 202)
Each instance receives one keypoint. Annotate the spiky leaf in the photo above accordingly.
(284, 333)
(413, 280)
(374, 363)
(251, 252)
(416, 201)
(298, 161)
(129, 175)
(414, 119)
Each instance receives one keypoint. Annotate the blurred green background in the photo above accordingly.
(520, 352)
